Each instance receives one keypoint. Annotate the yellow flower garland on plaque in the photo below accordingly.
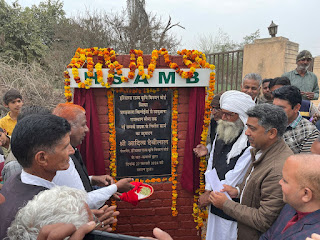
(198, 214)
(192, 59)
(174, 152)
(112, 141)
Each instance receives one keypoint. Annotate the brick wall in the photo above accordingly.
(156, 210)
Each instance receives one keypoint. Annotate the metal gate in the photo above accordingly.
(228, 69)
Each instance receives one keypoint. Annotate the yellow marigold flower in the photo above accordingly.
(192, 69)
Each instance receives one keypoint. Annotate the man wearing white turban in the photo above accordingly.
(230, 157)
(260, 193)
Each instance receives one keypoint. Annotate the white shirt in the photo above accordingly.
(30, 179)
(71, 178)
(219, 228)
(235, 175)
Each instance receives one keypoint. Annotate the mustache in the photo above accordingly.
(229, 131)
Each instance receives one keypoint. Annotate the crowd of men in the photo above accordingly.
(272, 178)
(264, 149)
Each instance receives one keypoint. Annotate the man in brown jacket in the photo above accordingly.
(260, 193)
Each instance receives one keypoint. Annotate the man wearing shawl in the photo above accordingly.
(230, 156)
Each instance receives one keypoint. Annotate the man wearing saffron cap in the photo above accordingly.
(230, 157)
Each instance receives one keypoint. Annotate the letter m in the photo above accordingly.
(171, 75)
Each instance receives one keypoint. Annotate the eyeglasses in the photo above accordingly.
(228, 115)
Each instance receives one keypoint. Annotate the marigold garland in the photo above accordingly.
(174, 141)
(67, 91)
(112, 141)
(107, 57)
(174, 152)
(198, 214)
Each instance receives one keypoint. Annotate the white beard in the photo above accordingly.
(229, 131)
(303, 67)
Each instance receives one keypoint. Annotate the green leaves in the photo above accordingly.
(27, 33)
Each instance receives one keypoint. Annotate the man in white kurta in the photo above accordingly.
(230, 156)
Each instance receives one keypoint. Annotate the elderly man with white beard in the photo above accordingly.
(230, 156)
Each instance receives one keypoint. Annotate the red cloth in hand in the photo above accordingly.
(131, 196)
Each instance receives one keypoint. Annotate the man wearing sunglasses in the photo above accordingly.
(303, 79)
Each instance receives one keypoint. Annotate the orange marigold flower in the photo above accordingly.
(131, 75)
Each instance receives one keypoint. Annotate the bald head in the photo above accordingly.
(69, 111)
(300, 182)
(76, 116)
(307, 171)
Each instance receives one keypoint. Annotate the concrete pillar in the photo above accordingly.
(316, 71)
(270, 57)
(316, 67)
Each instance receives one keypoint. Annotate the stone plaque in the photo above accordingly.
(143, 133)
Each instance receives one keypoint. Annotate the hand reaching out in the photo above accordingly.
(232, 191)
(60, 231)
(124, 185)
(159, 235)
(102, 181)
(200, 150)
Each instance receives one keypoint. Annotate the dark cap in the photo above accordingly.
(304, 54)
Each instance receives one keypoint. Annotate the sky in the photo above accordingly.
(298, 20)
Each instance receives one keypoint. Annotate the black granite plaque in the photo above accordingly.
(143, 133)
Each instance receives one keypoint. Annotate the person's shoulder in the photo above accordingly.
(282, 147)
(312, 74)
(304, 123)
(287, 74)
(278, 154)
(5, 119)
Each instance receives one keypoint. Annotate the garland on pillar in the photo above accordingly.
(201, 215)
(107, 58)
(174, 141)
